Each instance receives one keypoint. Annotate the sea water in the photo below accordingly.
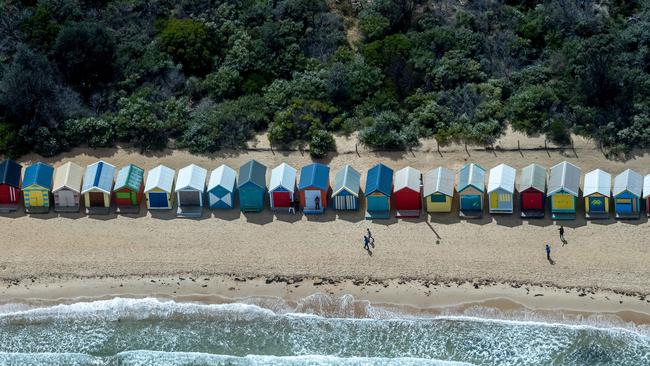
(318, 330)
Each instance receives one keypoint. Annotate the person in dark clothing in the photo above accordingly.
(548, 252)
(370, 237)
(366, 243)
(292, 207)
(317, 202)
(561, 230)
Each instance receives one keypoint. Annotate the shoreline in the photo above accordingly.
(483, 299)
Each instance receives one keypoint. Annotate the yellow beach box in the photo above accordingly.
(563, 189)
(37, 185)
(438, 189)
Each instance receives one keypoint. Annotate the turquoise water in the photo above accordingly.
(316, 331)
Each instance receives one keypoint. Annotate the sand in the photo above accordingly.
(600, 255)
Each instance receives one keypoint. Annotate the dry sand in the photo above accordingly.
(600, 255)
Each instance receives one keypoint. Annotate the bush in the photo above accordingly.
(93, 131)
(387, 131)
(321, 143)
(190, 43)
(84, 53)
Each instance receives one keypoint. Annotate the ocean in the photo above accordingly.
(318, 330)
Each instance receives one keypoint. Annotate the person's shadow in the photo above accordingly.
(369, 251)
(564, 241)
(551, 261)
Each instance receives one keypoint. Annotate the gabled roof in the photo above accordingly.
(315, 175)
(98, 176)
(630, 181)
(253, 172)
(502, 177)
(646, 186)
(224, 176)
(10, 173)
(379, 179)
(68, 176)
(597, 181)
(39, 174)
(283, 176)
(533, 176)
(564, 176)
(160, 177)
(347, 179)
(407, 178)
(439, 180)
(130, 176)
(191, 177)
(471, 175)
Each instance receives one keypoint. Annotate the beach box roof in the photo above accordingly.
(630, 181)
(564, 177)
(191, 177)
(347, 179)
(68, 175)
(252, 172)
(315, 175)
(224, 176)
(471, 175)
(98, 176)
(407, 178)
(39, 174)
(283, 176)
(533, 176)
(131, 177)
(646, 186)
(160, 177)
(379, 179)
(502, 177)
(597, 181)
(10, 173)
(439, 180)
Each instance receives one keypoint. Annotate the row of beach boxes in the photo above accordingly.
(42, 186)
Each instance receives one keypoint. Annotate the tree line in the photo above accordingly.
(210, 74)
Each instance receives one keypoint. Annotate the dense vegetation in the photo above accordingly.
(208, 74)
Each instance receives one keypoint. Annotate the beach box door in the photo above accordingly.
(66, 198)
(281, 199)
(624, 205)
(597, 204)
(310, 199)
(563, 202)
(470, 202)
(96, 199)
(189, 198)
(158, 199)
(377, 202)
(532, 201)
(36, 198)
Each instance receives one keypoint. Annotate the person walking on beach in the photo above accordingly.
(292, 207)
(366, 243)
(548, 252)
(370, 237)
(561, 230)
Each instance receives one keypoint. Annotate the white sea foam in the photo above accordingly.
(143, 357)
(318, 306)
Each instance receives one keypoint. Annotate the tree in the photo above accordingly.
(533, 108)
(321, 143)
(388, 131)
(84, 52)
(300, 120)
(31, 97)
(190, 43)
(93, 131)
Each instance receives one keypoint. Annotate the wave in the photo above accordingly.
(318, 330)
(317, 306)
(141, 358)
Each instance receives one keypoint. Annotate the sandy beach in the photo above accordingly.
(605, 266)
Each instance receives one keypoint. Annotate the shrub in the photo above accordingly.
(321, 143)
(190, 43)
